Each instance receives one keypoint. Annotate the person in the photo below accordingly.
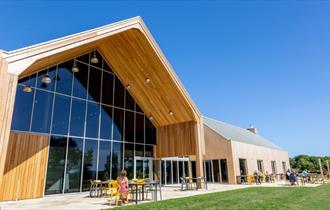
(287, 175)
(123, 186)
(268, 178)
(304, 175)
(243, 177)
(257, 177)
(293, 178)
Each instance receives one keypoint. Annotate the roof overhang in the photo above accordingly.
(134, 56)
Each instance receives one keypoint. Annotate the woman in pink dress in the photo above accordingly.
(123, 186)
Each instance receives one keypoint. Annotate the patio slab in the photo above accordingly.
(81, 201)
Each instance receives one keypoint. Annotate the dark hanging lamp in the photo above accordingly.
(94, 59)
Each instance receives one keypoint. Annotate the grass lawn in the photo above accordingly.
(250, 198)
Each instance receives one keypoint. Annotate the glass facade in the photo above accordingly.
(95, 126)
(173, 169)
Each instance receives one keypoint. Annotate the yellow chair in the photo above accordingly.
(250, 179)
(115, 192)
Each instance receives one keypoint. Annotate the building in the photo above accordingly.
(85, 106)
(238, 151)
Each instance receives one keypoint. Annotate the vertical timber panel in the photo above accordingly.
(200, 148)
(218, 148)
(25, 167)
(8, 83)
(176, 140)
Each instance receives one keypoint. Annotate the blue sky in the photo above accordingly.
(257, 62)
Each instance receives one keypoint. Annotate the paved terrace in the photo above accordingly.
(81, 201)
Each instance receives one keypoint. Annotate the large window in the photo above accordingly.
(90, 161)
(260, 165)
(73, 167)
(104, 160)
(95, 126)
(56, 160)
(283, 167)
(274, 169)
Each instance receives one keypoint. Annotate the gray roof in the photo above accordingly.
(234, 133)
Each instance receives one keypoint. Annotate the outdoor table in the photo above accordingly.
(99, 187)
(142, 184)
(199, 182)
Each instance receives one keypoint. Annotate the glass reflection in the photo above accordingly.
(22, 110)
(107, 88)
(84, 107)
(42, 111)
(94, 88)
(55, 168)
(139, 150)
(150, 132)
(129, 160)
(129, 126)
(106, 122)
(149, 150)
(77, 123)
(168, 172)
(92, 120)
(104, 160)
(139, 132)
(73, 167)
(119, 93)
(64, 78)
(129, 102)
(80, 81)
(61, 115)
(117, 159)
(118, 125)
(90, 160)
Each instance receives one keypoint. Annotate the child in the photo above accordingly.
(123, 186)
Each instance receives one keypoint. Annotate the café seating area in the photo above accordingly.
(189, 183)
(263, 178)
(139, 190)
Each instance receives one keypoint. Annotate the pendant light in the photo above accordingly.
(94, 58)
(27, 88)
(46, 79)
(75, 68)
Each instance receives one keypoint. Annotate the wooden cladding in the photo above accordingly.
(25, 167)
(134, 60)
(176, 140)
(219, 148)
(8, 83)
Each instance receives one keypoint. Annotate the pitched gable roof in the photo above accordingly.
(234, 133)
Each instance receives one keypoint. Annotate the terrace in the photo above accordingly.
(83, 201)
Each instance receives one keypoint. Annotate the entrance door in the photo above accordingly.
(142, 168)
(208, 170)
(224, 170)
(242, 167)
(216, 171)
